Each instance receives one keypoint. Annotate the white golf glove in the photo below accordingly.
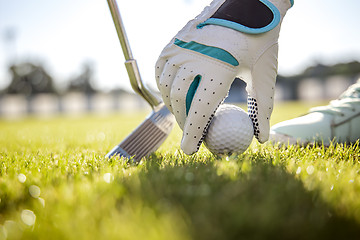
(229, 39)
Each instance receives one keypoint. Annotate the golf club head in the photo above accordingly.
(147, 137)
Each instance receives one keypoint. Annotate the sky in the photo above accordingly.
(64, 34)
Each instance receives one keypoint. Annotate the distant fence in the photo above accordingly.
(314, 89)
(14, 105)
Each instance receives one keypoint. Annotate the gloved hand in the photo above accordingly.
(230, 38)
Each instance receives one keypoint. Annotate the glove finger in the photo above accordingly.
(261, 91)
(183, 81)
(168, 53)
(209, 95)
(165, 82)
(159, 68)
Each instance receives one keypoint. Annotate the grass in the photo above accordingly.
(55, 184)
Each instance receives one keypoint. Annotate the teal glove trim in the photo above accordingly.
(292, 2)
(213, 52)
(245, 29)
(191, 92)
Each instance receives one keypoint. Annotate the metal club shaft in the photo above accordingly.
(130, 63)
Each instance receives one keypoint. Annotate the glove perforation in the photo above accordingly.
(253, 112)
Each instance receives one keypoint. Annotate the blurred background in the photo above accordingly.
(64, 56)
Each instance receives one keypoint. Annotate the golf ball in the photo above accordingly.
(230, 132)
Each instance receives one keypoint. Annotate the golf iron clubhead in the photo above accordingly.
(153, 131)
(147, 137)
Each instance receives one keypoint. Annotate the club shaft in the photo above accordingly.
(130, 63)
(120, 29)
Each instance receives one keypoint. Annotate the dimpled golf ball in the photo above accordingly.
(230, 132)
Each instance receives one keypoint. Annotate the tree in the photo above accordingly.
(83, 82)
(29, 79)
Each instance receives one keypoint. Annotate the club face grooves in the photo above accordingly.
(147, 137)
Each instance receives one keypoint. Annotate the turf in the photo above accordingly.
(56, 184)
